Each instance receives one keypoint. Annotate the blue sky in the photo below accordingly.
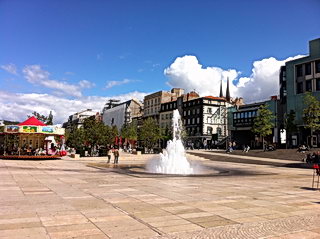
(133, 42)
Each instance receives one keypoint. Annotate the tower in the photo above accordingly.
(221, 94)
(228, 92)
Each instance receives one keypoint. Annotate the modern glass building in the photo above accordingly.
(296, 78)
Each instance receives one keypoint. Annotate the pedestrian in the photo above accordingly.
(109, 154)
(116, 155)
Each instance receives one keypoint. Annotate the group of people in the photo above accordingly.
(115, 151)
(302, 148)
(231, 146)
(312, 158)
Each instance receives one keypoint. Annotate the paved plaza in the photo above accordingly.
(80, 198)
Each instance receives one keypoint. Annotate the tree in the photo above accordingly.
(76, 138)
(290, 125)
(129, 131)
(263, 124)
(45, 119)
(92, 134)
(311, 112)
(149, 133)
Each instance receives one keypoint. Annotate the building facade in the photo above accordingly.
(152, 102)
(241, 119)
(204, 118)
(122, 114)
(296, 78)
(76, 120)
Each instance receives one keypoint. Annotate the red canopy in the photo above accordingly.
(32, 121)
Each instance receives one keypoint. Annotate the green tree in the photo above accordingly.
(290, 126)
(76, 138)
(263, 124)
(129, 131)
(311, 112)
(45, 119)
(149, 133)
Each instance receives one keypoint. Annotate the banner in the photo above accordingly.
(52, 130)
(29, 129)
(11, 129)
(47, 129)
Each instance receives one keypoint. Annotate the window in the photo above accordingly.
(317, 66)
(318, 84)
(308, 68)
(184, 113)
(188, 121)
(209, 110)
(254, 113)
(242, 115)
(234, 116)
(198, 111)
(299, 70)
(193, 121)
(249, 114)
(299, 87)
(198, 120)
(193, 111)
(188, 112)
(219, 131)
(209, 130)
(308, 85)
(245, 114)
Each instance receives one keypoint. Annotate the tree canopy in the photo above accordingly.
(129, 131)
(263, 122)
(149, 133)
(45, 119)
(311, 112)
(93, 133)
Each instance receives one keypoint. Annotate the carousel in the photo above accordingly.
(32, 139)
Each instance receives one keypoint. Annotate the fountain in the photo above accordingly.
(173, 160)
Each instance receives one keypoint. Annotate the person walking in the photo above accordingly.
(116, 155)
(108, 154)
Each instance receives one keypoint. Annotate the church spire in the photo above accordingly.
(221, 94)
(228, 92)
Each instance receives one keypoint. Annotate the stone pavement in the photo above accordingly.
(67, 199)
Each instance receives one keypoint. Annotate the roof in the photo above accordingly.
(32, 121)
(215, 98)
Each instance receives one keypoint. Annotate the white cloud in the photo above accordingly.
(188, 73)
(36, 75)
(16, 106)
(264, 80)
(113, 83)
(11, 68)
(86, 84)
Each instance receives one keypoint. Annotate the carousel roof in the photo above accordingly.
(32, 121)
